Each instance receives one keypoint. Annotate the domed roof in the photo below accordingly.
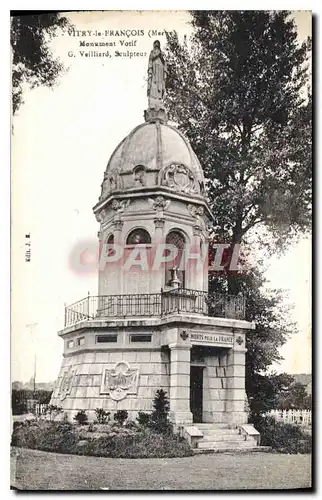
(154, 154)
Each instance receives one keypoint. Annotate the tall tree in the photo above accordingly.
(32, 60)
(237, 90)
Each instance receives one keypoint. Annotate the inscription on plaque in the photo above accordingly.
(210, 338)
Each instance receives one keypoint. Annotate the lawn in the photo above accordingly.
(38, 470)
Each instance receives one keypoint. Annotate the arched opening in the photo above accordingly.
(110, 241)
(176, 239)
(138, 236)
(139, 175)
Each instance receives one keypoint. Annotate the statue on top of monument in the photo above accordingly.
(157, 74)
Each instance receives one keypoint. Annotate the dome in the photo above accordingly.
(154, 154)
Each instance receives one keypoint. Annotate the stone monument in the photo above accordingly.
(148, 327)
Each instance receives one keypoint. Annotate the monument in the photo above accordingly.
(148, 327)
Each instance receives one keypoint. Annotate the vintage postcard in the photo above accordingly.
(161, 250)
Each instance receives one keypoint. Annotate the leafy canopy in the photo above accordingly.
(32, 60)
(238, 90)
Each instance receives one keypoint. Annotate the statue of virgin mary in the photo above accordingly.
(157, 74)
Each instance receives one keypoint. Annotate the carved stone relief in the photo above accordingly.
(159, 203)
(195, 211)
(180, 178)
(110, 183)
(120, 381)
(66, 384)
(120, 205)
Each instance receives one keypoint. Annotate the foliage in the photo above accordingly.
(282, 437)
(237, 90)
(120, 416)
(18, 403)
(102, 415)
(19, 399)
(81, 417)
(144, 444)
(115, 442)
(33, 62)
(143, 419)
(53, 411)
(44, 435)
(294, 398)
(159, 420)
(265, 390)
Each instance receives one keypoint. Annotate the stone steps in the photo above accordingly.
(255, 449)
(223, 438)
(235, 443)
(214, 426)
(215, 432)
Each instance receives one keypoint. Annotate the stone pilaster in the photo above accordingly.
(180, 383)
(118, 240)
(235, 373)
(197, 276)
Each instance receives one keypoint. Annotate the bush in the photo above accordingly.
(115, 442)
(81, 417)
(19, 398)
(159, 420)
(143, 419)
(45, 435)
(282, 437)
(146, 444)
(18, 402)
(120, 416)
(102, 415)
(53, 411)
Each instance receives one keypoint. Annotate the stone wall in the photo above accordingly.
(84, 372)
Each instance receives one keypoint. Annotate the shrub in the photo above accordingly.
(159, 420)
(282, 437)
(117, 442)
(19, 398)
(143, 419)
(53, 411)
(18, 402)
(120, 416)
(146, 444)
(102, 415)
(81, 417)
(45, 435)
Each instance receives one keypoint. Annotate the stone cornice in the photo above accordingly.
(179, 319)
(144, 192)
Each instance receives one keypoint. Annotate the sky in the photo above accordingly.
(62, 140)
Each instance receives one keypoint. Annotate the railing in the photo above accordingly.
(298, 417)
(180, 300)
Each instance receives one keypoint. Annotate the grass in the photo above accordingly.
(38, 470)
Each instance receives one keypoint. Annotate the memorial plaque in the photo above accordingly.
(204, 338)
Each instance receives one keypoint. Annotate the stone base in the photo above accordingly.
(181, 417)
(237, 418)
